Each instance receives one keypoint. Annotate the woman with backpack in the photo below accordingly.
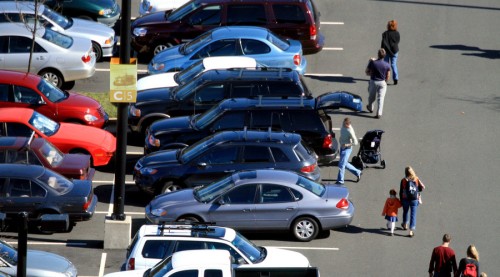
(409, 193)
(469, 267)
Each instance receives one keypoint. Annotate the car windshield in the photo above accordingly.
(189, 73)
(58, 38)
(196, 43)
(311, 186)
(204, 119)
(51, 154)
(56, 181)
(252, 251)
(186, 90)
(189, 153)
(53, 93)
(8, 253)
(160, 269)
(280, 43)
(43, 124)
(180, 12)
(59, 19)
(210, 192)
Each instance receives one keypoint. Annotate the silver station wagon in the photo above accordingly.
(58, 58)
(102, 37)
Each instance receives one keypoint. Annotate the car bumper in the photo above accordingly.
(109, 51)
(85, 216)
(72, 74)
(339, 220)
(313, 46)
(110, 20)
(139, 44)
(150, 218)
(144, 183)
(301, 69)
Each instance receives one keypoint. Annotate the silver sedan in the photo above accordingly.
(58, 58)
(259, 200)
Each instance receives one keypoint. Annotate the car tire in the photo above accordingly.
(97, 50)
(305, 229)
(189, 219)
(52, 76)
(169, 186)
(161, 46)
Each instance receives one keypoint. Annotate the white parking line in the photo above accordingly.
(308, 248)
(111, 181)
(331, 23)
(333, 48)
(323, 75)
(103, 263)
(129, 213)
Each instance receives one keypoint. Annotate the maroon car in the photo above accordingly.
(25, 90)
(38, 151)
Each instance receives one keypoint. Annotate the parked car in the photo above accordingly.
(102, 37)
(26, 90)
(152, 243)
(223, 153)
(50, 49)
(152, 6)
(38, 263)
(209, 88)
(259, 43)
(38, 191)
(39, 151)
(272, 200)
(307, 117)
(102, 11)
(173, 79)
(298, 20)
(69, 138)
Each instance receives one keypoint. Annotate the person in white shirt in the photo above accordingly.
(347, 140)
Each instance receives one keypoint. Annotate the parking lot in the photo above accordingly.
(442, 118)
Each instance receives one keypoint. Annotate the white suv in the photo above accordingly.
(152, 243)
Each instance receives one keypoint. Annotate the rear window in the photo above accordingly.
(289, 14)
(58, 39)
(155, 249)
(306, 121)
(311, 186)
(302, 151)
(278, 42)
(246, 15)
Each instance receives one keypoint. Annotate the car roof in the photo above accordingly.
(187, 230)
(13, 142)
(239, 32)
(257, 74)
(15, 114)
(228, 61)
(17, 77)
(247, 103)
(256, 136)
(202, 257)
(266, 175)
(19, 29)
(21, 170)
(20, 6)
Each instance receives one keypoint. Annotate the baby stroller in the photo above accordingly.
(369, 151)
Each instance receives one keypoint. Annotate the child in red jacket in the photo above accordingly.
(392, 204)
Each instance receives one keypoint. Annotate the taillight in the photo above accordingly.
(308, 169)
(313, 31)
(86, 58)
(296, 59)
(343, 204)
(131, 264)
(87, 204)
(153, 142)
(327, 141)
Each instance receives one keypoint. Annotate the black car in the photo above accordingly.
(211, 87)
(38, 191)
(224, 153)
(306, 117)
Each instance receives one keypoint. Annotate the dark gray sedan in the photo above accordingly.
(259, 200)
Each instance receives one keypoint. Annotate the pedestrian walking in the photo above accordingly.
(469, 266)
(390, 43)
(379, 72)
(347, 140)
(443, 260)
(390, 211)
(409, 193)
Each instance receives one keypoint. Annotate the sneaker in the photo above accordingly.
(395, 82)
(411, 234)
(339, 183)
(378, 116)
(404, 226)
(359, 176)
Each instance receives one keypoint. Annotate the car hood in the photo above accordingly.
(154, 95)
(90, 29)
(41, 260)
(149, 19)
(162, 80)
(128, 273)
(169, 54)
(277, 257)
(78, 101)
(161, 157)
(172, 125)
(79, 135)
(179, 198)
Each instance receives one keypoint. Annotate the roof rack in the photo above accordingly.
(301, 104)
(185, 225)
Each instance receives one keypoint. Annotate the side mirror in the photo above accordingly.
(221, 201)
(202, 165)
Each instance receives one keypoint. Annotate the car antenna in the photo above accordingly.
(31, 139)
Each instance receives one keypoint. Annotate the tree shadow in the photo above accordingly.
(482, 53)
(492, 102)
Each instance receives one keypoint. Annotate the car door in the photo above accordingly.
(28, 98)
(218, 48)
(256, 157)
(199, 21)
(235, 208)
(19, 53)
(203, 98)
(276, 207)
(212, 165)
(23, 195)
(262, 52)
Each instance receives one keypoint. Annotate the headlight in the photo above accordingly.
(159, 212)
(105, 12)
(158, 66)
(148, 171)
(90, 118)
(109, 41)
(134, 111)
(140, 32)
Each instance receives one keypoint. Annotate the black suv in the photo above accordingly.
(295, 19)
(211, 87)
(306, 117)
(224, 153)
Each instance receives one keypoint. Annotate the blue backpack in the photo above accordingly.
(411, 190)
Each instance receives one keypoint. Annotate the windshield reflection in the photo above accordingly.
(210, 192)
(53, 93)
(252, 251)
(51, 154)
(43, 124)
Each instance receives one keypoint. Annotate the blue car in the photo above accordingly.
(259, 43)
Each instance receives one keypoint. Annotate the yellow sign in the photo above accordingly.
(123, 81)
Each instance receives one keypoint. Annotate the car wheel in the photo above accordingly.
(161, 46)
(97, 50)
(53, 76)
(189, 219)
(305, 229)
(170, 186)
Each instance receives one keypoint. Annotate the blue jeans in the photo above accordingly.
(393, 61)
(411, 205)
(344, 163)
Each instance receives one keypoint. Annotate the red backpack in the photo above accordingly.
(470, 270)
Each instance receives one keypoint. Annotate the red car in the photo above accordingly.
(68, 137)
(39, 151)
(24, 90)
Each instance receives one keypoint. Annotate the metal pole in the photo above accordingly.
(22, 244)
(121, 125)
